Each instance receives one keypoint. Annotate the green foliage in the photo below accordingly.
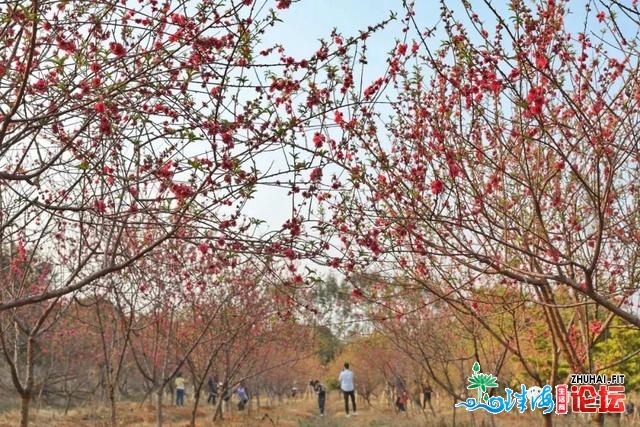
(332, 384)
(331, 298)
(328, 346)
(621, 343)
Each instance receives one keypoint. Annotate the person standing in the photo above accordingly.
(321, 391)
(179, 390)
(346, 379)
(426, 392)
(402, 400)
(243, 396)
(212, 388)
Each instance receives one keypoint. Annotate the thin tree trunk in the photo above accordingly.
(112, 405)
(597, 419)
(28, 389)
(195, 408)
(159, 407)
(454, 412)
(67, 404)
(24, 409)
(617, 419)
(163, 382)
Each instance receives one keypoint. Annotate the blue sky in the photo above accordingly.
(304, 23)
(307, 21)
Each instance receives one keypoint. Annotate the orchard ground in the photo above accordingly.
(299, 412)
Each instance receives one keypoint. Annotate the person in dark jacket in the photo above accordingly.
(212, 389)
(321, 391)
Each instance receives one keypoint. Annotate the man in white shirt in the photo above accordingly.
(348, 389)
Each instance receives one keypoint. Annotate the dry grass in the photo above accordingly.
(294, 413)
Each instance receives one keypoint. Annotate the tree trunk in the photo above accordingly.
(67, 404)
(28, 389)
(617, 419)
(159, 407)
(24, 409)
(454, 412)
(548, 419)
(195, 408)
(597, 419)
(112, 404)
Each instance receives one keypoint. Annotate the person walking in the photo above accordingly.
(346, 379)
(179, 390)
(321, 391)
